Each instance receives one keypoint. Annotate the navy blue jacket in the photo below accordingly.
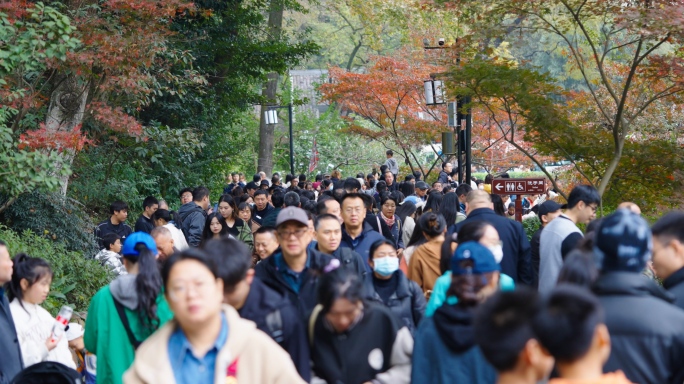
(445, 352)
(11, 362)
(305, 300)
(365, 240)
(516, 261)
(274, 314)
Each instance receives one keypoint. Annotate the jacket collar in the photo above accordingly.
(401, 292)
(152, 362)
(629, 284)
(674, 279)
(366, 228)
(481, 212)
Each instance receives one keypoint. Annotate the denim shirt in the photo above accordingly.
(293, 279)
(190, 369)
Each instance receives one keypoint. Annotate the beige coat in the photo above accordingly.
(424, 265)
(260, 359)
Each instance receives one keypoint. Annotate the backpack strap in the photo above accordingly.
(124, 320)
(274, 322)
(312, 322)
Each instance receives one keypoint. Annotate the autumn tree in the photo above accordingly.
(387, 104)
(121, 64)
(627, 56)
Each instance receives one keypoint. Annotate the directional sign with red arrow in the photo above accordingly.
(519, 186)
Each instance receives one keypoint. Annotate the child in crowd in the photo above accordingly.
(86, 362)
(28, 289)
(109, 255)
(570, 325)
(503, 331)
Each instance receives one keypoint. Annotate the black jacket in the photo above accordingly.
(516, 261)
(407, 302)
(646, 331)
(11, 362)
(350, 260)
(106, 227)
(193, 218)
(675, 285)
(144, 224)
(534, 256)
(443, 178)
(306, 299)
(348, 357)
(274, 314)
(260, 216)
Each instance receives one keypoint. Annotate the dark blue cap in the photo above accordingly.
(136, 238)
(482, 258)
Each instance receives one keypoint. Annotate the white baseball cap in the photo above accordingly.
(74, 332)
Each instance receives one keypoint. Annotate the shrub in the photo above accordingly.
(53, 217)
(531, 226)
(76, 278)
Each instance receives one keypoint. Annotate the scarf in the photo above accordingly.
(389, 222)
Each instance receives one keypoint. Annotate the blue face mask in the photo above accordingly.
(386, 266)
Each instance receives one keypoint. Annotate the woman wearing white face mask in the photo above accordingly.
(480, 232)
(389, 285)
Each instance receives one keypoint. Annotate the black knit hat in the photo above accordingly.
(623, 242)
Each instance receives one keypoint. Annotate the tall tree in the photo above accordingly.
(628, 54)
(387, 105)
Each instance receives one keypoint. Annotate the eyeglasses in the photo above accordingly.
(353, 210)
(299, 233)
(180, 290)
(593, 208)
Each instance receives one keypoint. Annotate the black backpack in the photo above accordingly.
(48, 372)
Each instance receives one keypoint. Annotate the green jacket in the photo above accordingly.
(105, 335)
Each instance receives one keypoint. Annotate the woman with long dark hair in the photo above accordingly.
(434, 201)
(498, 204)
(445, 351)
(28, 289)
(214, 228)
(353, 340)
(424, 263)
(237, 227)
(126, 312)
(407, 213)
(449, 209)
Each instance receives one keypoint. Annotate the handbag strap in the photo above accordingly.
(124, 320)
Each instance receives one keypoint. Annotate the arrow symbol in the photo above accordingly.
(498, 187)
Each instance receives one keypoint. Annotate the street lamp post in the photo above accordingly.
(434, 95)
(271, 117)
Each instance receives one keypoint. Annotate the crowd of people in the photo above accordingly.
(364, 280)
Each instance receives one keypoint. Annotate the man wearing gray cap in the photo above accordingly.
(293, 268)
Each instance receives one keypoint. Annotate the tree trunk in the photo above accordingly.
(268, 93)
(66, 111)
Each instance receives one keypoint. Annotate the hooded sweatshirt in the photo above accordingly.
(105, 335)
(445, 350)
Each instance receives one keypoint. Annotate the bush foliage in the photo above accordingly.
(76, 278)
